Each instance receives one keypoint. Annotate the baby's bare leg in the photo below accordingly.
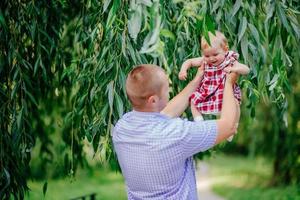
(196, 114)
(198, 118)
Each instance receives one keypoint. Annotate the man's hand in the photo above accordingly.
(232, 78)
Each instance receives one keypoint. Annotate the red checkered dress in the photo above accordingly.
(208, 97)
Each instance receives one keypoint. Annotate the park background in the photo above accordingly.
(63, 66)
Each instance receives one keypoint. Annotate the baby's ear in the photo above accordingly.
(225, 47)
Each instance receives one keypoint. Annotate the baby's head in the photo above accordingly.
(147, 88)
(214, 54)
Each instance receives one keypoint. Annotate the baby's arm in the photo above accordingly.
(193, 62)
(238, 68)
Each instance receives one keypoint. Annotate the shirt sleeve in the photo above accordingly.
(198, 136)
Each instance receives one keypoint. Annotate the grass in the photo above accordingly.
(106, 184)
(234, 177)
(241, 178)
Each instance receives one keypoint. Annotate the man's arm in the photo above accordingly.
(180, 102)
(226, 125)
(193, 62)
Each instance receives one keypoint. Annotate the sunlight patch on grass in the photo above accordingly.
(247, 178)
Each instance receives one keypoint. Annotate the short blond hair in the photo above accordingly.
(143, 82)
(215, 39)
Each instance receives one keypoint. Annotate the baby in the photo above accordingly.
(217, 61)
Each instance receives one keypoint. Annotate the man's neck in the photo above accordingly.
(145, 109)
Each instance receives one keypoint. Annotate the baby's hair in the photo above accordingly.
(142, 82)
(215, 40)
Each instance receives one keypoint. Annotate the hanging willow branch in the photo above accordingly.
(66, 63)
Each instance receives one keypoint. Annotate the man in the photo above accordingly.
(154, 146)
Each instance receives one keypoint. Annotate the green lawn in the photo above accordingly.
(235, 178)
(240, 178)
(107, 184)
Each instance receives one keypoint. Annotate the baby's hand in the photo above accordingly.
(183, 71)
(193, 62)
(232, 78)
(182, 74)
(238, 68)
(230, 69)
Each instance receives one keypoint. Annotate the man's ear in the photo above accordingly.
(152, 99)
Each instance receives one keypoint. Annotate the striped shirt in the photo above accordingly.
(155, 154)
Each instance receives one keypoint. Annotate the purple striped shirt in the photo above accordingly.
(155, 154)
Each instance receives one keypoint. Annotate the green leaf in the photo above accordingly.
(210, 24)
(283, 18)
(82, 99)
(20, 118)
(36, 65)
(199, 25)
(31, 98)
(132, 53)
(271, 9)
(122, 82)
(110, 90)
(242, 28)
(146, 2)
(236, 7)
(296, 29)
(112, 13)
(254, 33)
(206, 35)
(104, 111)
(244, 47)
(273, 82)
(2, 21)
(168, 34)
(288, 85)
(45, 187)
(106, 4)
(263, 53)
(7, 181)
(216, 5)
(14, 91)
(124, 46)
(155, 34)
(277, 61)
(119, 104)
(135, 22)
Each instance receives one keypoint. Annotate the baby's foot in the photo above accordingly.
(198, 118)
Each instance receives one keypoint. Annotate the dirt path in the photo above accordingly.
(204, 183)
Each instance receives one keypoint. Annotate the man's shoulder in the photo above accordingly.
(122, 120)
(156, 125)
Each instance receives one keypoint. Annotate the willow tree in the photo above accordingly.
(73, 57)
(32, 58)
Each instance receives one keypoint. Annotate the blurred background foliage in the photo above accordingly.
(63, 66)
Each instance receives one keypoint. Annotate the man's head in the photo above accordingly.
(147, 88)
(214, 53)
